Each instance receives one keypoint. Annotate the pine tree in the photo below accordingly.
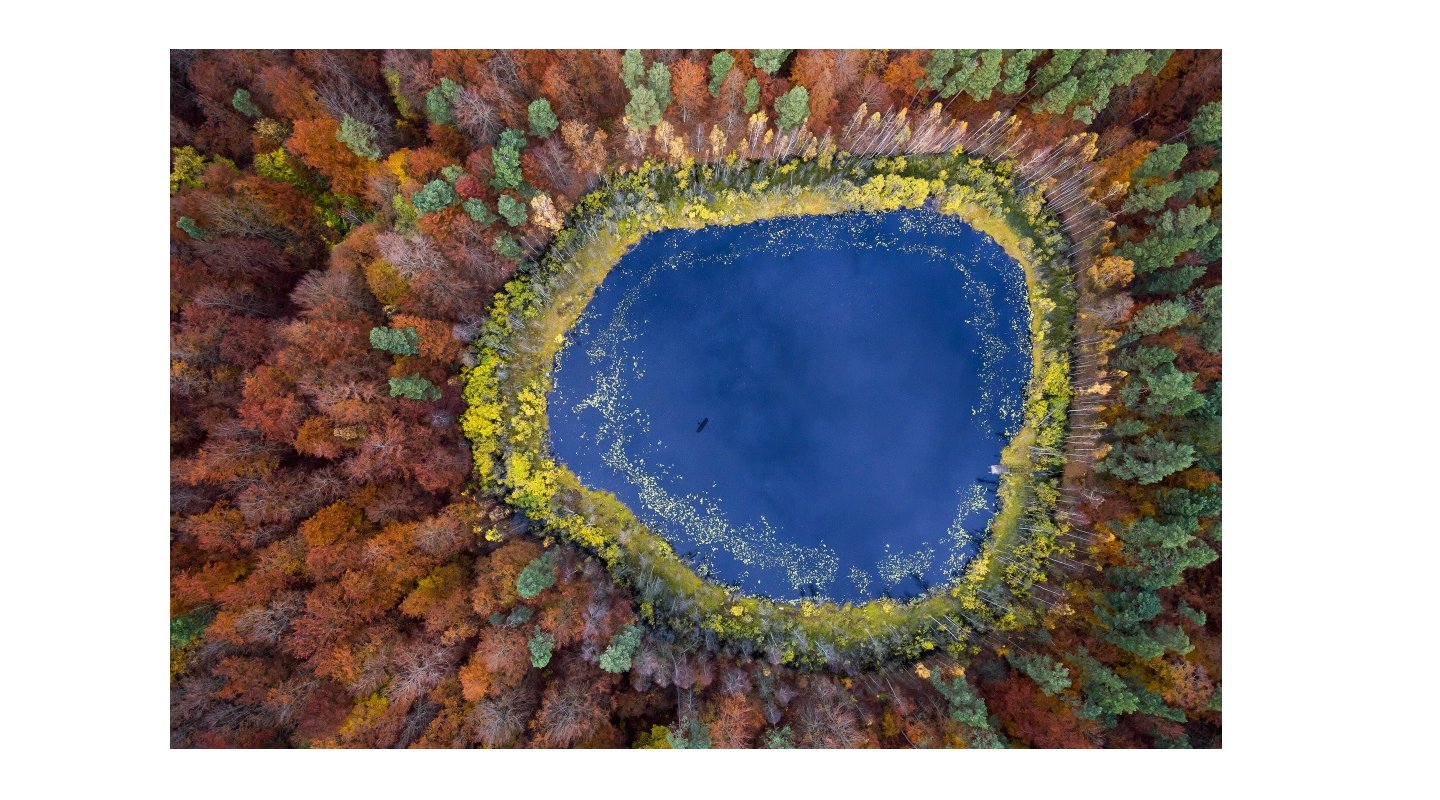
(359, 137)
(1106, 695)
(541, 646)
(1048, 673)
(191, 227)
(659, 81)
(1017, 71)
(617, 657)
(1151, 460)
(543, 121)
(245, 104)
(400, 341)
(632, 68)
(506, 245)
(538, 575)
(414, 387)
(983, 80)
(439, 102)
(478, 211)
(1159, 317)
(1057, 99)
(506, 158)
(642, 112)
(967, 706)
(720, 65)
(769, 61)
(792, 108)
(1163, 160)
(1205, 126)
(752, 96)
(434, 196)
(512, 210)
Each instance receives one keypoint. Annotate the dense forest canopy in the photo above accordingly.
(366, 553)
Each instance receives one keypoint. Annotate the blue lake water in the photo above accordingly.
(805, 406)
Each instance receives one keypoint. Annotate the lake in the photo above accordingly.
(807, 406)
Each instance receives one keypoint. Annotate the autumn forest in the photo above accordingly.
(378, 538)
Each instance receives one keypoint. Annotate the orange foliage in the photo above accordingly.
(313, 140)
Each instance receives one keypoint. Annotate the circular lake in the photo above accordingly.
(808, 406)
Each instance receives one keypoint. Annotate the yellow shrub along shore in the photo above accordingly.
(506, 394)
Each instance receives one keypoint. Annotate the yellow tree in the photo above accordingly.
(1110, 272)
(546, 215)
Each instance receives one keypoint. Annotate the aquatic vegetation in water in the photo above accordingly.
(905, 334)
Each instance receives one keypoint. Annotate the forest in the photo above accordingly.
(375, 254)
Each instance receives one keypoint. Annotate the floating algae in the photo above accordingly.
(859, 374)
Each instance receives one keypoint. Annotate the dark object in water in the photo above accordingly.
(809, 332)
